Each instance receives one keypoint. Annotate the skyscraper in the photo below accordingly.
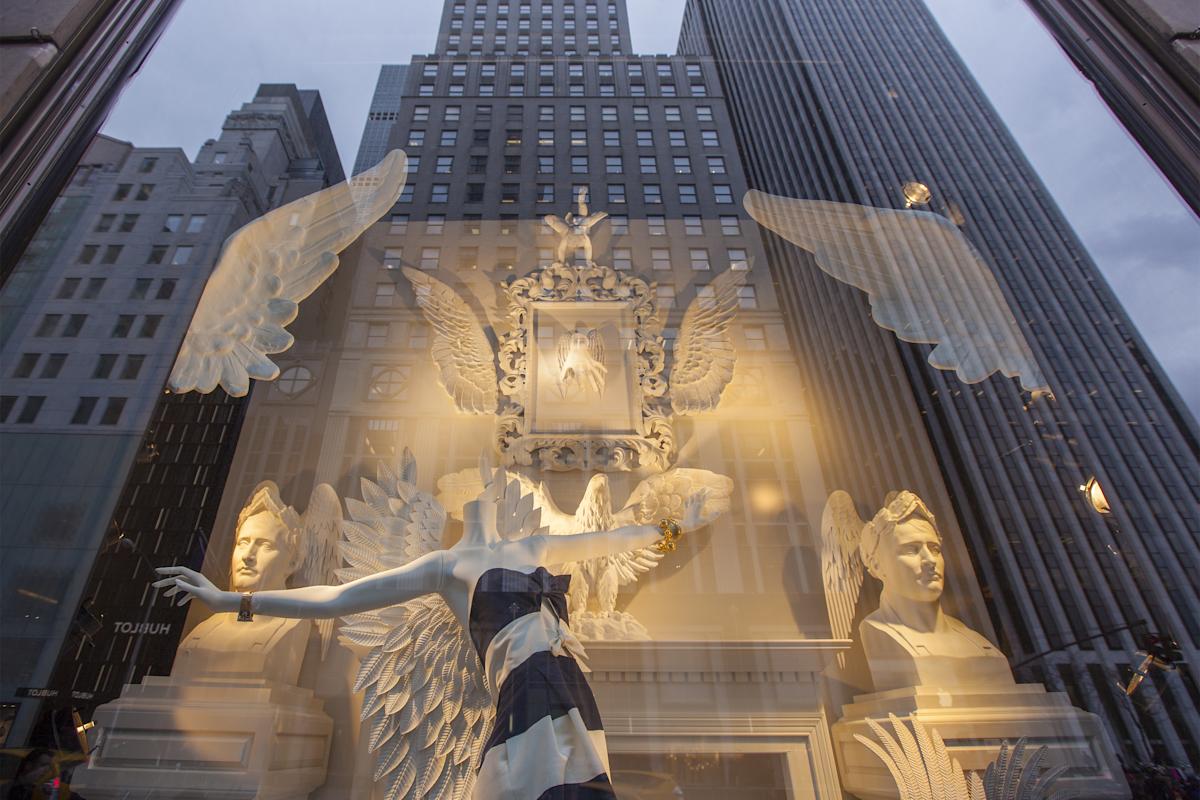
(381, 117)
(849, 101)
(99, 466)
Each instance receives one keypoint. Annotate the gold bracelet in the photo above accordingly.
(245, 614)
(670, 535)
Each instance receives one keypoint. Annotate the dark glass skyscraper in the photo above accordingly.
(847, 100)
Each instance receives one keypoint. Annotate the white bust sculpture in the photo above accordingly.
(909, 640)
(271, 545)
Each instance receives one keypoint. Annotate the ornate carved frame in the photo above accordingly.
(565, 283)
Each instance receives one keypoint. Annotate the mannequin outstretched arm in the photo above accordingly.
(421, 576)
(584, 546)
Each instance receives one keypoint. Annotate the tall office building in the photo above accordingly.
(103, 474)
(381, 117)
(848, 100)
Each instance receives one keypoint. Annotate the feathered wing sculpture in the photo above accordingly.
(425, 701)
(841, 563)
(926, 282)
(322, 523)
(266, 268)
(920, 763)
(704, 354)
(465, 357)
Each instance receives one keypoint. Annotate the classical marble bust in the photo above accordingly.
(266, 553)
(909, 640)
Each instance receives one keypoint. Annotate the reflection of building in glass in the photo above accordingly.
(93, 316)
(851, 101)
(381, 118)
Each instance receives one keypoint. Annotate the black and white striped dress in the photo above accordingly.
(548, 740)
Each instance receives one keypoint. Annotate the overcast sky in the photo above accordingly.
(1145, 240)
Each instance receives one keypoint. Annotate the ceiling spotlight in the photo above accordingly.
(1095, 496)
(916, 194)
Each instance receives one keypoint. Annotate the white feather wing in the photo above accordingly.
(926, 282)
(322, 527)
(704, 354)
(426, 707)
(841, 564)
(265, 269)
(464, 356)
(665, 495)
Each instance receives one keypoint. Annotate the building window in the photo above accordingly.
(128, 221)
(656, 225)
(294, 380)
(74, 325)
(474, 192)
(105, 223)
(468, 257)
(53, 366)
(716, 165)
(122, 191)
(687, 193)
(704, 114)
(147, 165)
(652, 193)
(738, 258)
(144, 191)
(385, 294)
(612, 138)
(616, 193)
(579, 138)
(506, 257)
(546, 165)
(439, 193)
(196, 223)
(448, 138)
(112, 411)
(619, 224)
(166, 288)
(622, 258)
(747, 297)
(406, 194)
(480, 137)
(435, 224)
(676, 139)
(68, 288)
(613, 165)
(104, 365)
(26, 364)
(48, 325)
(388, 383)
(172, 223)
(660, 258)
(579, 165)
(641, 113)
(122, 326)
(140, 288)
(416, 138)
(545, 193)
(132, 366)
(83, 410)
(111, 253)
(30, 411)
(645, 138)
(699, 258)
(430, 256)
(510, 192)
(420, 114)
(648, 165)
(443, 165)
(682, 164)
(392, 257)
(398, 223)
(150, 324)
(182, 255)
(709, 139)
(608, 113)
(377, 334)
(665, 294)
(92, 290)
(512, 164)
(723, 193)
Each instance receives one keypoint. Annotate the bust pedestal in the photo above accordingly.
(228, 724)
(973, 721)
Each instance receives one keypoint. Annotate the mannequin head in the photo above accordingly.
(902, 548)
(266, 551)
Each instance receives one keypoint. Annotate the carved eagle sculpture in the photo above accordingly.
(662, 495)
(704, 355)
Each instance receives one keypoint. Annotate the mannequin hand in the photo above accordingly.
(191, 584)
(693, 511)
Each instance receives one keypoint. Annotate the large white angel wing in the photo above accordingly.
(926, 282)
(665, 495)
(322, 523)
(841, 563)
(556, 224)
(266, 268)
(704, 354)
(465, 358)
(458, 488)
(425, 696)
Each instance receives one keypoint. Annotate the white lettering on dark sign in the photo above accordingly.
(150, 628)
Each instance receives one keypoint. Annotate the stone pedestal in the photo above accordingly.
(973, 723)
(216, 739)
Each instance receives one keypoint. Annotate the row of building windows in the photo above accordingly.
(172, 223)
(68, 326)
(53, 363)
(479, 26)
(84, 410)
(176, 255)
(545, 193)
(430, 258)
(546, 137)
(69, 289)
(544, 7)
(634, 70)
(579, 165)
(517, 89)
(575, 113)
(472, 224)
